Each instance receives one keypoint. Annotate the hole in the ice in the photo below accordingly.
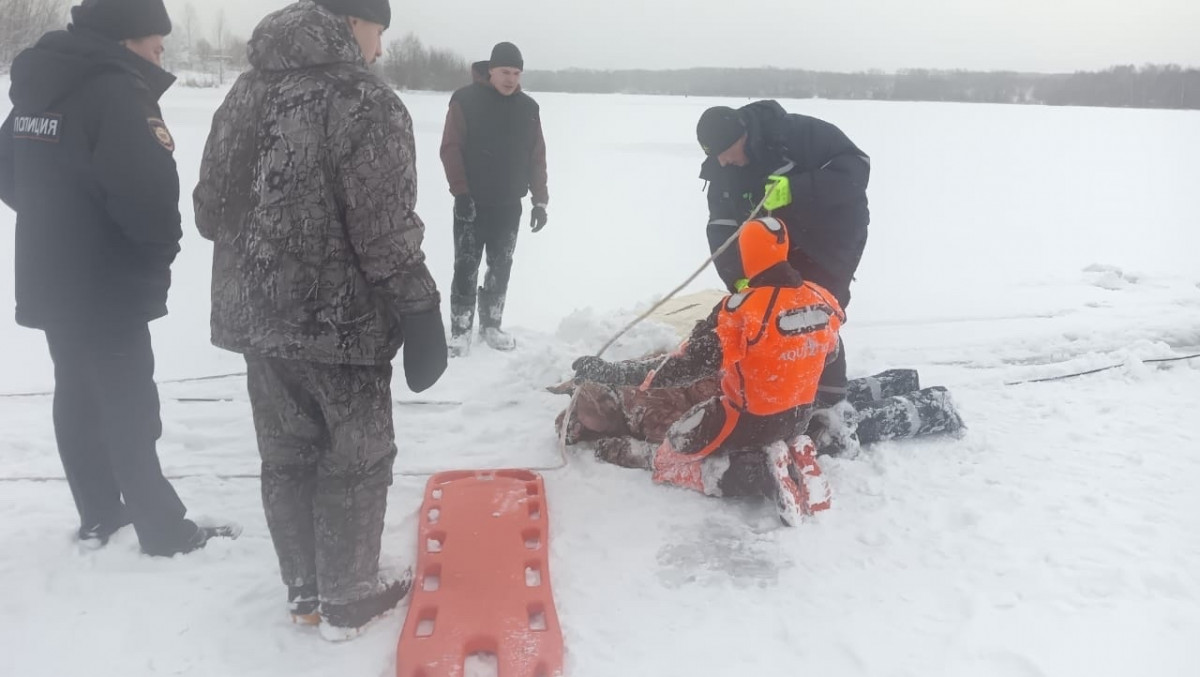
(426, 622)
(434, 514)
(537, 617)
(535, 510)
(432, 579)
(435, 542)
(483, 664)
(486, 477)
(437, 494)
(531, 488)
(533, 574)
(532, 538)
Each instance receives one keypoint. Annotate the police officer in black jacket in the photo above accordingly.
(87, 163)
(826, 216)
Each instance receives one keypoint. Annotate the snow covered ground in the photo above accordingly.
(1059, 537)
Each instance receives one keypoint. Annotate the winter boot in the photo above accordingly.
(341, 622)
(626, 452)
(834, 430)
(95, 536)
(925, 412)
(195, 537)
(498, 339)
(460, 345)
(885, 384)
(303, 604)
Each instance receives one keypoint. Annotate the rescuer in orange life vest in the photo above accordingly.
(769, 342)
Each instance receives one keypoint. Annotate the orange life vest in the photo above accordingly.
(775, 342)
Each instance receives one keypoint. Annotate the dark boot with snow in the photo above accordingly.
(303, 604)
(192, 538)
(340, 622)
(834, 430)
(883, 385)
(925, 412)
(95, 536)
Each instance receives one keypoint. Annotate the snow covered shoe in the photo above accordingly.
(834, 430)
(925, 412)
(799, 487)
(460, 345)
(95, 536)
(626, 452)
(789, 497)
(195, 538)
(885, 384)
(342, 622)
(498, 339)
(303, 604)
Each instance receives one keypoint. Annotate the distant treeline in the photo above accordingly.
(1149, 86)
(208, 53)
(409, 64)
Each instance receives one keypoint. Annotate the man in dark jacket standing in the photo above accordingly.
(826, 216)
(494, 154)
(307, 188)
(86, 162)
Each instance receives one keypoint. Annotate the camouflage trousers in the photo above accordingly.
(494, 234)
(327, 445)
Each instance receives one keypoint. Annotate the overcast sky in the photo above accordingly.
(838, 35)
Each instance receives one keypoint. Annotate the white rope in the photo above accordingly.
(720, 250)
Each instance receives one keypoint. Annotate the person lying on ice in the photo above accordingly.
(769, 343)
(699, 399)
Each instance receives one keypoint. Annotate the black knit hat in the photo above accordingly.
(122, 19)
(719, 128)
(506, 55)
(375, 11)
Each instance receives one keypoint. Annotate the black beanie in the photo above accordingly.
(506, 55)
(375, 11)
(122, 19)
(719, 128)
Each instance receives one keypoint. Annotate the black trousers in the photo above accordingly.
(106, 421)
(494, 234)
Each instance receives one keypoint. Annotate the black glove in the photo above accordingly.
(592, 368)
(538, 218)
(464, 208)
(424, 349)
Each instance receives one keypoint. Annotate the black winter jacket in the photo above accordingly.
(828, 218)
(87, 163)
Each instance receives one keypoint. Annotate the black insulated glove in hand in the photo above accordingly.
(464, 208)
(538, 218)
(424, 349)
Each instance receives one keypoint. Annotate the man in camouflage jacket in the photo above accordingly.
(307, 188)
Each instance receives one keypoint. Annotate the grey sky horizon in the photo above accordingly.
(834, 35)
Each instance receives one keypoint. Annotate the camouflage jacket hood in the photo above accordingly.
(307, 188)
(302, 35)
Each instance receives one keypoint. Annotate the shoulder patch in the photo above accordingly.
(161, 134)
(735, 301)
(44, 127)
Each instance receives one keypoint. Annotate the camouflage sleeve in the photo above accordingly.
(701, 356)
(377, 185)
(213, 187)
